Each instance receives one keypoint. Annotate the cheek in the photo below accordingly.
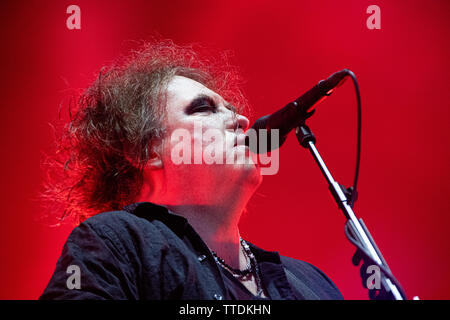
(188, 141)
(208, 133)
(187, 144)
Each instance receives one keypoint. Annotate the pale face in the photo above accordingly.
(213, 129)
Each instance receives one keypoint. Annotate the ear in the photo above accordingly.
(155, 160)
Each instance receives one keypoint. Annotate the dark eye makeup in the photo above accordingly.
(201, 103)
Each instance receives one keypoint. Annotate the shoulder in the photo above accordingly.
(304, 268)
(119, 229)
(111, 224)
(126, 222)
(307, 281)
(316, 280)
(115, 220)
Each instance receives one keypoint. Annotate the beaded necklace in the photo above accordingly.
(251, 267)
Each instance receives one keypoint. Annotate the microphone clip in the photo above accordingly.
(304, 134)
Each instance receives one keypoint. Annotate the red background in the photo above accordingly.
(283, 48)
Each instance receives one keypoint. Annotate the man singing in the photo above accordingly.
(168, 229)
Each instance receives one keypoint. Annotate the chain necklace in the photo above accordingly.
(251, 267)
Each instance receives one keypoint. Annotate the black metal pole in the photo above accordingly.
(307, 140)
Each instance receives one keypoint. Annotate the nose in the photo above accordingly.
(242, 122)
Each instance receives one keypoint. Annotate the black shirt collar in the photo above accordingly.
(151, 211)
(272, 269)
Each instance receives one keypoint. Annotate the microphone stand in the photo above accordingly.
(387, 287)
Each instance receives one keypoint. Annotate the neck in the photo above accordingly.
(213, 208)
(217, 225)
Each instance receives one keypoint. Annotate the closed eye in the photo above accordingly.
(201, 103)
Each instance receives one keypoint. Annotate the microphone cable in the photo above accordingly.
(353, 190)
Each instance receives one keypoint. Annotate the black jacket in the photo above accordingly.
(147, 252)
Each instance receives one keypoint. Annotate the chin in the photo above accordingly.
(249, 173)
(241, 163)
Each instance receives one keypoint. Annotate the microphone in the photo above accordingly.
(295, 112)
